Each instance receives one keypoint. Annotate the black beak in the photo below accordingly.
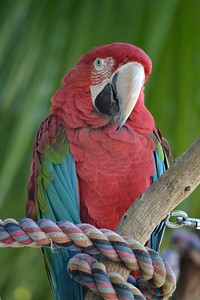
(106, 101)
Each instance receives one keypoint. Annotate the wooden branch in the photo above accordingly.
(176, 184)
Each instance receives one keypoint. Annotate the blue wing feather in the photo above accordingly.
(53, 190)
(161, 164)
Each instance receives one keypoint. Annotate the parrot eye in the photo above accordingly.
(99, 64)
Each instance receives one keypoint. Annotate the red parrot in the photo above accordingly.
(97, 151)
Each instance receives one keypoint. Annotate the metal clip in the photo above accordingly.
(176, 213)
(182, 220)
(190, 222)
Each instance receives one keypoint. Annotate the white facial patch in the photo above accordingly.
(103, 68)
(101, 75)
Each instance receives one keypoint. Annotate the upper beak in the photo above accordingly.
(127, 81)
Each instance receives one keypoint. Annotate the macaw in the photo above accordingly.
(97, 151)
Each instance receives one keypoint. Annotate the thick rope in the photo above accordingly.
(156, 280)
(87, 271)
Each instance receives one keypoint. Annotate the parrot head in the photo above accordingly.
(103, 87)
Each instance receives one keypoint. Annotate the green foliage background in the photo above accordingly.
(39, 42)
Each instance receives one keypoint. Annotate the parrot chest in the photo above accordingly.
(112, 173)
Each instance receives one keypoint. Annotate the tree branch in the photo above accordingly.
(176, 184)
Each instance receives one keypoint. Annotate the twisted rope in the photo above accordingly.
(87, 271)
(157, 280)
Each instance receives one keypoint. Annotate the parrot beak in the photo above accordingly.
(128, 81)
(118, 96)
